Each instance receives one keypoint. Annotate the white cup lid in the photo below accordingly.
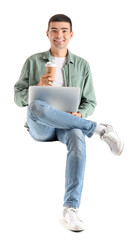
(50, 64)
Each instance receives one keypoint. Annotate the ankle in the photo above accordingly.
(100, 129)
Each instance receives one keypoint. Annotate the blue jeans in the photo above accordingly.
(48, 124)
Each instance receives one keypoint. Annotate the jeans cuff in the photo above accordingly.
(92, 130)
(69, 205)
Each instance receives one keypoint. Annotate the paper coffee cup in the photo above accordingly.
(51, 68)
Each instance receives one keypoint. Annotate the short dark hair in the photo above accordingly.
(60, 18)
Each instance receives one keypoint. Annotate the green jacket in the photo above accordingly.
(76, 74)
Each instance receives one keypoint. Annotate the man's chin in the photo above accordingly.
(60, 46)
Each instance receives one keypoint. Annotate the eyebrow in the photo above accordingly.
(61, 28)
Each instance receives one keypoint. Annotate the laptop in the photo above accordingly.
(61, 98)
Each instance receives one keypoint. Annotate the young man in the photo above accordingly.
(48, 124)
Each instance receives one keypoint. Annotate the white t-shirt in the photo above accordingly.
(59, 77)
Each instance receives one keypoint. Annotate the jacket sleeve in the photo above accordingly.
(21, 86)
(88, 98)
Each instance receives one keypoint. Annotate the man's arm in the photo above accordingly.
(21, 87)
(88, 99)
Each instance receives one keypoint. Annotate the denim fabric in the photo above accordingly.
(48, 124)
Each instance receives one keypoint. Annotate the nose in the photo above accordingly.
(59, 34)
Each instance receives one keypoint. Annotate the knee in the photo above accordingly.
(38, 108)
(34, 106)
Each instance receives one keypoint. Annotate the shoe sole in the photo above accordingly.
(75, 230)
(121, 147)
(72, 229)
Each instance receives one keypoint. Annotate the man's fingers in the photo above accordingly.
(47, 79)
(47, 75)
(51, 79)
(50, 84)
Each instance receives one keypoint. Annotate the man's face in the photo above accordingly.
(59, 34)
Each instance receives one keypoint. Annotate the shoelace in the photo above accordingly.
(73, 214)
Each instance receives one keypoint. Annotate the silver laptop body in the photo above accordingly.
(61, 98)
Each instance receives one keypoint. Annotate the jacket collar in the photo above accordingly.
(47, 56)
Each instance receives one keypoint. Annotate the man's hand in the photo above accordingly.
(77, 114)
(46, 80)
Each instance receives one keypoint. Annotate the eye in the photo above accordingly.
(53, 30)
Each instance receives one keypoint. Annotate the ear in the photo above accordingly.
(47, 33)
(72, 33)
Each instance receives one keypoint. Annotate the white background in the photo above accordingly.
(32, 173)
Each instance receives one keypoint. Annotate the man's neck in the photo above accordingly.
(59, 52)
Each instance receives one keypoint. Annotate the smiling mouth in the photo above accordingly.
(59, 41)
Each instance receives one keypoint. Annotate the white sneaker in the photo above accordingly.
(72, 220)
(112, 139)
